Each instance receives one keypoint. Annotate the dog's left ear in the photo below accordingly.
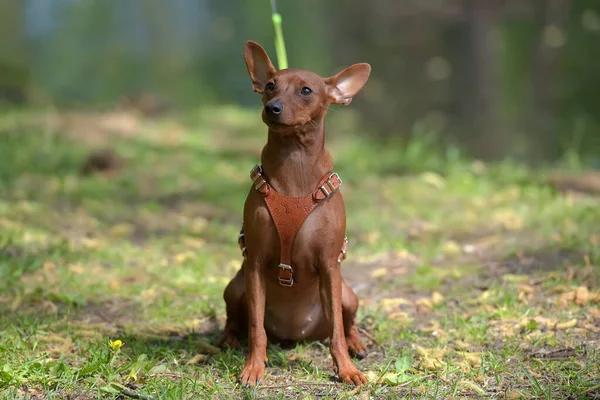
(260, 67)
(343, 86)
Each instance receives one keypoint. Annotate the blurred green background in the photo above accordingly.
(496, 78)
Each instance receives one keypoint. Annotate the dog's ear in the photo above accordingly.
(343, 86)
(260, 67)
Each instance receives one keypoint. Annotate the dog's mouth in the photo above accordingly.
(276, 124)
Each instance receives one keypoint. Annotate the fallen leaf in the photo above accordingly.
(400, 271)
(436, 298)
(466, 385)
(460, 345)
(198, 358)
(517, 395)
(424, 305)
(196, 243)
(392, 304)
(379, 272)
(463, 365)
(566, 325)
(431, 359)
(582, 295)
(431, 327)
(183, 257)
(122, 229)
(198, 225)
(566, 298)
(433, 179)
(512, 278)
(372, 376)
(207, 347)
(474, 359)
(451, 247)
(372, 237)
(594, 312)
(400, 316)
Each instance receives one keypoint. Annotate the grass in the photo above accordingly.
(494, 289)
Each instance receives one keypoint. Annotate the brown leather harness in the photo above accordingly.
(288, 214)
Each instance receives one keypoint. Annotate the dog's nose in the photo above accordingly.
(274, 107)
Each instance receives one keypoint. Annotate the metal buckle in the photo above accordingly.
(286, 282)
(332, 188)
(337, 176)
(260, 184)
(257, 176)
(256, 167)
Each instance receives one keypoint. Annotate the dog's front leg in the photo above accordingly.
(331, 298)
(254, 369)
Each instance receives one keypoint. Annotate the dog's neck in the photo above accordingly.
(295, 161)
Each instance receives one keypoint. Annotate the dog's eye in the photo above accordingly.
(269, 87)
(305, 91)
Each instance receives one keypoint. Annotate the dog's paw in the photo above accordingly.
(352, 376)
(252, 374)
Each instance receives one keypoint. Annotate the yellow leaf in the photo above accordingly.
(582, 295)
(474, 359)
(433, 326)
(526, 289)
(431, 359)
(433, 179)
(77, 269)
(198, 225)
(114, 284)
(392, 304)
(122, 229)
(193, 242)
(469, 385)
(207, 347)
(183, 257)
(424, 305)
(515, 278)
(436, 298)
(463, 365)
(372, 237)
(400, 316)
(379, 272)
(198, 358)
(517, 395)
(566, 325)
(566, 298)
(460, 345)
(451, 247)
(400, 271)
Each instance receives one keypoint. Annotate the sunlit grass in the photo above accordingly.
(470, 275)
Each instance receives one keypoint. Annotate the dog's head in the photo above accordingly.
(294, 98)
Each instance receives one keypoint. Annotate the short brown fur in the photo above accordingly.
(320, 304)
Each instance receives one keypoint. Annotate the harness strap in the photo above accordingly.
(288, 215)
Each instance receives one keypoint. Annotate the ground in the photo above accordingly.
(475, 280)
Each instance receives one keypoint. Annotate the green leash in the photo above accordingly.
(279, 43)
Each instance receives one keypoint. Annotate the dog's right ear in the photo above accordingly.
(260, 67)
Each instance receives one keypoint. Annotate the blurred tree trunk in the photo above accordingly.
(14, 72)
(552, 15)
(484, 94)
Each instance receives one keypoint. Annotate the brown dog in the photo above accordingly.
(290, 286)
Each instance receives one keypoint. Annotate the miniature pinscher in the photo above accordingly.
(290, 287)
